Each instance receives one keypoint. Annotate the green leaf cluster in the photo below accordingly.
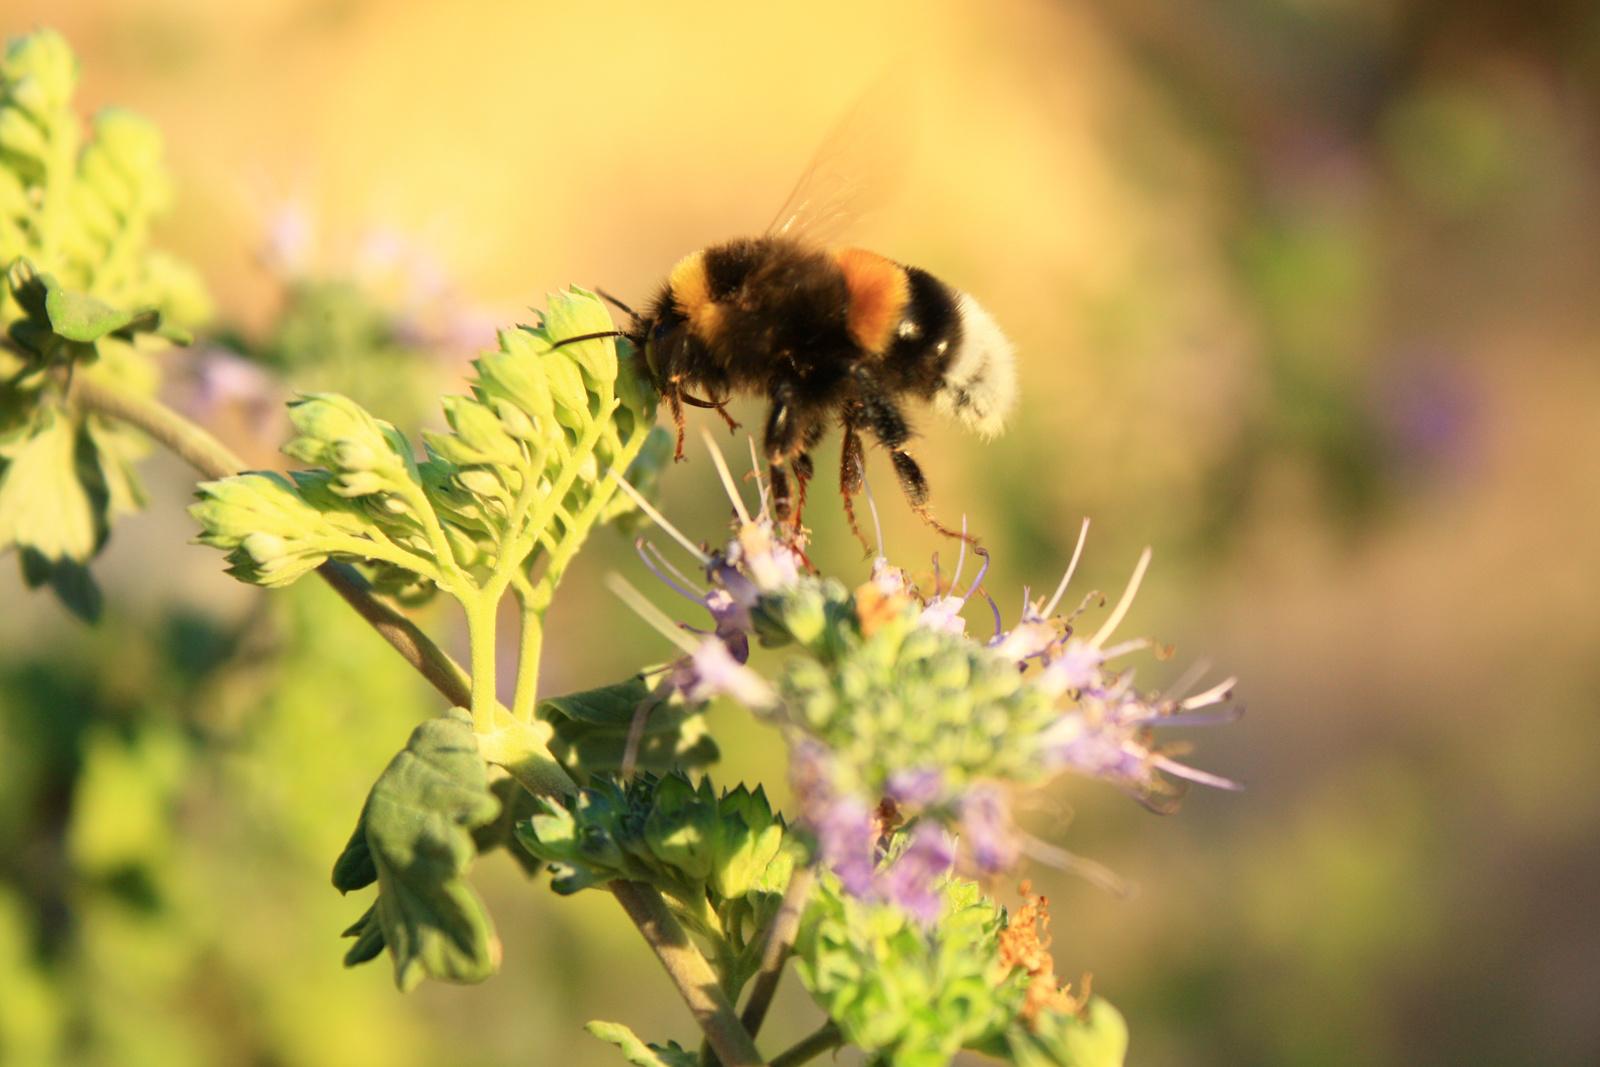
(504, 499)
(896, 696)
(720, 862)
(686, 841)
(414, 838)
(913, 996)
(86, 295)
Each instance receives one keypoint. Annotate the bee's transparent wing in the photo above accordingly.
(861, 164)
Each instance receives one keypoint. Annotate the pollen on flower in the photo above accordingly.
(875, 608)
(1025, 946)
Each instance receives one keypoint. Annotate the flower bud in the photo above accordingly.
(43, 61)
(575, 313)
(570, 398)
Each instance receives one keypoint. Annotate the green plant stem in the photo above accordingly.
(687, 968)
(529, 646)
(213, 459)
(775, 949)
(826, 1037)
(481, 611)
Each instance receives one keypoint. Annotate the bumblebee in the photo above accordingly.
(824, 334)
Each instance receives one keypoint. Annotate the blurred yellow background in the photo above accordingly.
(1304, 294)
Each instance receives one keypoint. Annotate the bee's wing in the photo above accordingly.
(863, 160)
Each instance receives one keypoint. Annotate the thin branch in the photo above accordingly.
(187, 441)
(775, 951)
(690, 972)
(825, 1037)
(213, 459)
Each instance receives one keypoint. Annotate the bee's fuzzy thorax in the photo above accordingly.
(690, 285)
(879, 291)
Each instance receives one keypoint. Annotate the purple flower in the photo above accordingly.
(916, 788)
(711, 670)
(847, 835)
(911, 881)
(1108, 738)
(988, 836)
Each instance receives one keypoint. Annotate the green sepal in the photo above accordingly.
(366, 455)
(637, 1052)
(574, 313)
(416, 833)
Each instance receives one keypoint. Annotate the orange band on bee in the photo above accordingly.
(691, 292)
(878, 294)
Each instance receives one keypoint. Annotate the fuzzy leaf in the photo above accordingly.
(70, 580)
(44, 505)
(415, 838)
(592, 729)
(85, 318)
(610, 705)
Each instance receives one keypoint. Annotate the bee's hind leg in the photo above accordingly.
(891, 429)
(915, 487)
(674, 395)
(851, 460)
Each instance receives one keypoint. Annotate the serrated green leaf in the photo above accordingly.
(609, 705)
(70, 580)
(44, 504)
(517, 804)
(592, 730)
(115, 448)
(355, 867)
(638, 1052)
(417, 829)
(368, 933)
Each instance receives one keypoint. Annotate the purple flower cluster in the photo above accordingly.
(763, 557)
(1107, 734)
(1075, 711)
(853, 838)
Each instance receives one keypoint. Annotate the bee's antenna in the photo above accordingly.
(625, 308)
(588, 337)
